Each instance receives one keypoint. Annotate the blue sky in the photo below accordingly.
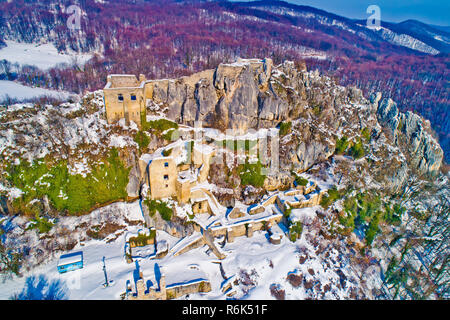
(428, 11)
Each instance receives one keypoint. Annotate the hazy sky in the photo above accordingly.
(428, 11)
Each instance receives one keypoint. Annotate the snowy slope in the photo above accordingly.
(43, 56)
(14, 90)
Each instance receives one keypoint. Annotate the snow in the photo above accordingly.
(43, 56)
(268, 264)
(81, 168)
(16, 90)
(405, 41)
(304, 215)
(121, 141)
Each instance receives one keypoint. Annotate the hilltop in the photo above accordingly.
(379, 170)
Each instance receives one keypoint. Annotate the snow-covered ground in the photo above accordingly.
(253, 264)
(43, 56)
(18, 91)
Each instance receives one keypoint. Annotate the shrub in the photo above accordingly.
(348, 220)
(250, 174)
(393, 215)
(171, 135)
(373, 228)
(301, 181)
(341, 145)
(167, 152)
(285, 128)
(357, 150)
(365, 133)
(11, 259)
(287, 212)
(360, 209)
(142, 139)
(142, 239)
(317, 109)
(277, 292)
(42, 224)
(333, 195)
(295, 231)
(295, 280)
(161, 207)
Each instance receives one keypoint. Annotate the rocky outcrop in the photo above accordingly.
(388, 116)
(133, 182)
(278, 182)
(233, 96)
(309, 154)
(253, 93)
(175, 227)
(425, 152)
(407, 131)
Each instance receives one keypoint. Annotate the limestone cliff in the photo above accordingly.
(254, 93)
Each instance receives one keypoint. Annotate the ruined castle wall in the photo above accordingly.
(181, 290)
(313, 200)
(129, 108)
(193, 245)
(163, 175)
(201, 207)
(183, 190)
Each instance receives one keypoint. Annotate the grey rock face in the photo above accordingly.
(425, 152)
(388, 115)
(310, 153)
(133, 182)
(407, 131)
(234, 96)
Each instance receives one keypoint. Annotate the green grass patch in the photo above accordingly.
(159, 126)
(73, 194)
